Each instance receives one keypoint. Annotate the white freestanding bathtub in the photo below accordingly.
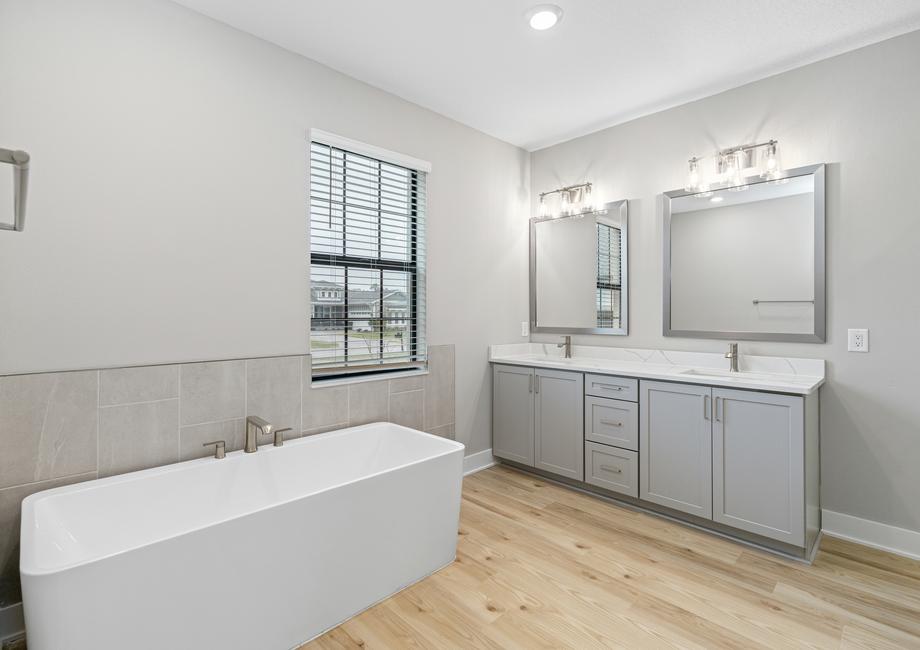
(256, 551)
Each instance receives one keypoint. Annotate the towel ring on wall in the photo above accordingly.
(20, 162)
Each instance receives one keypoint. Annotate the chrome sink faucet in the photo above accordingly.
(567, 344)
(732, 355)
(255, 425)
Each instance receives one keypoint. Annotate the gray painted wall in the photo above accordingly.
(169, 193)
(858, 112)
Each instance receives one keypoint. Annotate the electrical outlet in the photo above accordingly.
(525, 328)
(857, 340)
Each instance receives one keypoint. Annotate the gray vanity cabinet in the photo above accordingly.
(538, 418)
(559, 423)
(758, 457)
(513, 413)
(675, 441)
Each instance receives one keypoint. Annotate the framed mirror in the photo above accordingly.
(578, 272)
(747, 262)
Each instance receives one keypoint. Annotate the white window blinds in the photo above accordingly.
(367, 263)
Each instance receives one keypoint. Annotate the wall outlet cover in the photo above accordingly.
(857, 340)
(525, 328)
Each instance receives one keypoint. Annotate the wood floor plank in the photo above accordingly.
(542, 566)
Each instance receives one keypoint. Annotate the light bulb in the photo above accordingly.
(542, 206)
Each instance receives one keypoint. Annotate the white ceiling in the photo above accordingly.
(607, 61)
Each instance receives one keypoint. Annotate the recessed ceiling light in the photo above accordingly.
(543, 16)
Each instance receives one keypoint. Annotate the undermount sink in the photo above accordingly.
(723, 374)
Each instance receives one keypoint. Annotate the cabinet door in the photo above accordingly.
(675, 446)
(559, 423)
(758, 442)
(512, 413)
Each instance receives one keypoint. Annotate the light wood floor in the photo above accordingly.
(542, 566)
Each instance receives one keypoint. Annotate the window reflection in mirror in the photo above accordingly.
(578, 272)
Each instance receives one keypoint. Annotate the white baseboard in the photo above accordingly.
(477, 462)
(885, 537)
(11, 622)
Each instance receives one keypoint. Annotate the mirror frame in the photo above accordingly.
(819, 335)
(622, 207)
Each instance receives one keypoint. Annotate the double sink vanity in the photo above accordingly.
(670, 431)
(727, 442)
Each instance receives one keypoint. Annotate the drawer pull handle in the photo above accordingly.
(611, 468)
(609, 387)
(611, 423)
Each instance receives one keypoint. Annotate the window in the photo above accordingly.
(608, 276)
(367, 263)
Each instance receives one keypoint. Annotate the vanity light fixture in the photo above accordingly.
(573, 199)
(543, 17)
(730, 167)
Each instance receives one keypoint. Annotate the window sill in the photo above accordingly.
(317, 382)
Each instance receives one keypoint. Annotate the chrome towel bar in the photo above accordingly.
(20, 162)
(757, 301)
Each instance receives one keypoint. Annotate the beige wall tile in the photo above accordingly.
(403, 384)
(192, 437)
(439, 387)
(330, 427)
(10, 508)
(368, 402)
(47, 426)
(322, 407)
(213, 391)
(141, 384)
(273, 392)
(446, 431)
(138, 436)
(408, 409)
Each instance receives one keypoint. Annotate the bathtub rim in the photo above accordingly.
(28, 568)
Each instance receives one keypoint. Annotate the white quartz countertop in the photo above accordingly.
(773, 374)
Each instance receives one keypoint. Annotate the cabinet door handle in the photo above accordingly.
(717, 409)
(538, 384)
(530, 384)
(611, 423)
(705, 407)
(611, 468)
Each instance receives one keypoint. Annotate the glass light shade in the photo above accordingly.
(566, 204)
(735, 175)
(694, 178)
(587, 201)
(542, 206)
(770, 167)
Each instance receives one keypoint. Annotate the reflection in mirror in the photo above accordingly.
(747, 264)
(578, 272)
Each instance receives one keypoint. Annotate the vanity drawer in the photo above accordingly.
(615, 387)
(612, 422)
(612, 469)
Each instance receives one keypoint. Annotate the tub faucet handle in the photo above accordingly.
(220, 448)
(279, 435)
